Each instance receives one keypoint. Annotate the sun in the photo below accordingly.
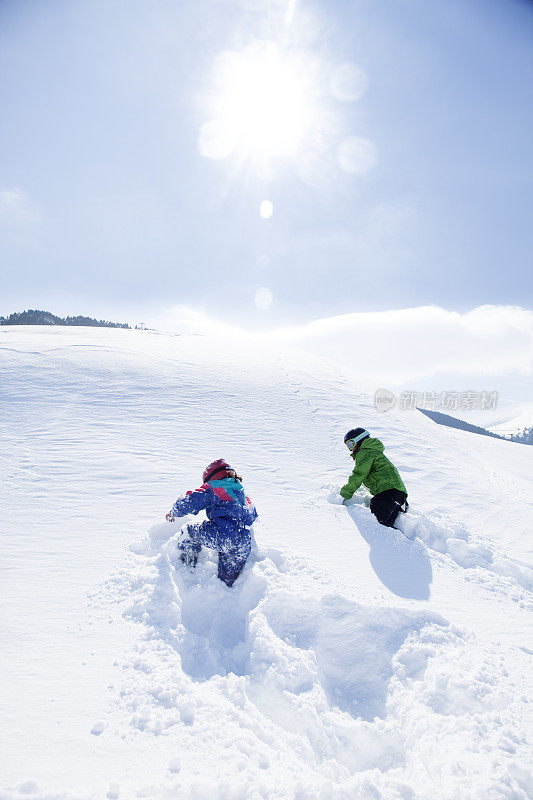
(264, 105)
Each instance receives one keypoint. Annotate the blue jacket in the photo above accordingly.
(224, 503)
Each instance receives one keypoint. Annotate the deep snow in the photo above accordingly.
(346, 662)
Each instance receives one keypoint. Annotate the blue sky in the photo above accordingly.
(109, 208)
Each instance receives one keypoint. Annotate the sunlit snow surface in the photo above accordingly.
(346, 662)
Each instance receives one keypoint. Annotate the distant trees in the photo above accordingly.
(35, 317)
(524, 436)
(32, 317)
(100, 323)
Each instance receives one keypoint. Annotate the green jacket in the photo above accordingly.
(373, 469)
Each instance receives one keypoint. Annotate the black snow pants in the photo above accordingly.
(387, 505)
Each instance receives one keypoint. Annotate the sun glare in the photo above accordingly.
(263, 108)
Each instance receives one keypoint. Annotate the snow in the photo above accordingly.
(346, 662)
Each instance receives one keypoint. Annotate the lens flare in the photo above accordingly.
(266, 209)
(357, 156)
(263, 298)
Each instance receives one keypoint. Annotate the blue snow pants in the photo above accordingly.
(232, 550)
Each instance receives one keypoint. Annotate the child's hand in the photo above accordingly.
(170, 517)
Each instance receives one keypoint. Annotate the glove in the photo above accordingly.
(170, 516)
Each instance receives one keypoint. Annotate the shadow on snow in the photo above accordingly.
(402, 565)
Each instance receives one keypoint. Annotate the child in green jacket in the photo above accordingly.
(378, 474)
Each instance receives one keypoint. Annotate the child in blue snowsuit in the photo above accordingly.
(230, 515)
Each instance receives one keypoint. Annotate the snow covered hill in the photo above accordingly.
(346, 662)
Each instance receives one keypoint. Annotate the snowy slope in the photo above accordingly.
(347, 661)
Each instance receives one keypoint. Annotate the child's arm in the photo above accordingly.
(362, 467)
(193, 502)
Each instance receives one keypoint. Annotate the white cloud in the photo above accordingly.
(183, 320)
(393, 348)
(410, 344)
